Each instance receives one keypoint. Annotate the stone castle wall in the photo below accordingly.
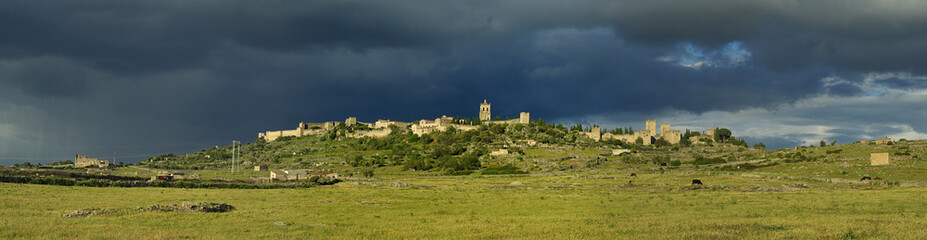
(83, 161)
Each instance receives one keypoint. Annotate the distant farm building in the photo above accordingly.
(286, 175)
(329, 175)
(259, 168)
(83, 161)
(162, 177)
(278, 175)
(877, 159)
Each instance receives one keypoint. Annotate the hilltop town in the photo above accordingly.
(486, 172)
(381, 128)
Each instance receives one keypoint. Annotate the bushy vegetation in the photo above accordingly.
(504, 169)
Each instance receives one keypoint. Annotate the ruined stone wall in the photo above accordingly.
(627, 138)
(350, 121)
(299, 132)
(385, 124)
(83, 161)
(377, 133)
(421, 129)
(524, 118)
(595, 133)
(672, 136)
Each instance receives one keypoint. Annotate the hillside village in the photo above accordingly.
(381, 128)
(335, 150)
(493, 164)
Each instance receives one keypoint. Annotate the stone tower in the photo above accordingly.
(664, 128)
(484, 111)
(652, 127)
(524, 118)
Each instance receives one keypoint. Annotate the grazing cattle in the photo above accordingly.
(696, 182)
(865, 178)
(634, 174)
(878, 179)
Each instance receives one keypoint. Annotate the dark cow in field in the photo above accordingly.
(878, 179)
(696, 182)
(865, 178)
(634, 174)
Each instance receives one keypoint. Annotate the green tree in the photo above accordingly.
(759, 146)
(639, 141)
(823, 143)
(367, 173)
(833, 142)
(685, 142)
(723, 134)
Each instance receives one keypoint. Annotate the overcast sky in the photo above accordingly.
(143, 78)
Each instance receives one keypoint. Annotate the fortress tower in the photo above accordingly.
(484, 111)
(664, 129)
(652, 127)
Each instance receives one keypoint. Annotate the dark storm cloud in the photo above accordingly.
(48, 77)
(158, 71)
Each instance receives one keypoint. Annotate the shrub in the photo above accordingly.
(704, 161)
(504, 169)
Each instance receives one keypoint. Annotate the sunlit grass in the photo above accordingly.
(555, 206)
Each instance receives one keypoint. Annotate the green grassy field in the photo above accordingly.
(804, 193)
(543, 206)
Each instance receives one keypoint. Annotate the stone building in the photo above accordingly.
(386, 123)
(648, 135)
(261, 167)
(442, 123)
(350, 121)
(305, 129)
(524, 118)
(595, 133)
(651, 127)
(278, 175)
(485, 114)
(83, 161)
(670, 135)
(288, 175)
(705, 138)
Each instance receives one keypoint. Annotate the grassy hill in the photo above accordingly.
(561, 149)
(574, 189)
